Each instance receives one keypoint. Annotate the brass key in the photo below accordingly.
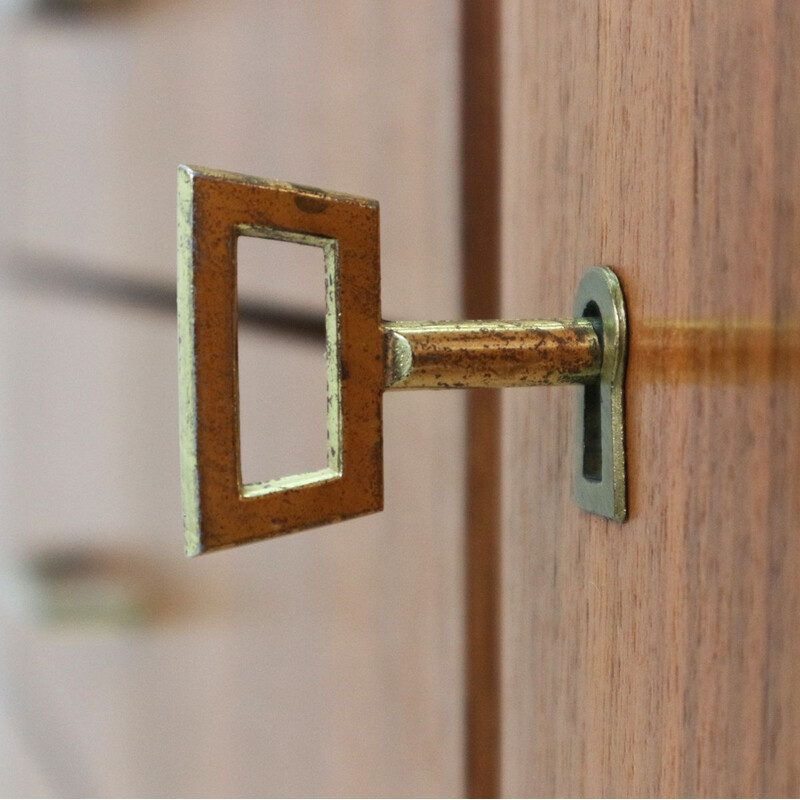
(365, 357)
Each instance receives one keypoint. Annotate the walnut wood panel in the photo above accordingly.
(658, 657)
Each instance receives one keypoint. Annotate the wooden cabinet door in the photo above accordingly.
(658, 657)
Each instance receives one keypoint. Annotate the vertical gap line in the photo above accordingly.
(480, 241)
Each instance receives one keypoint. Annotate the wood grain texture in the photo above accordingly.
(658, 657)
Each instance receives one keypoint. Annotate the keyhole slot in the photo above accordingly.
(592, 413)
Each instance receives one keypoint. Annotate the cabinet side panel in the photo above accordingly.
(656, 657)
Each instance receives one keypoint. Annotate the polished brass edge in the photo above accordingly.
(398, 357)
(187, 380)
(223, 176)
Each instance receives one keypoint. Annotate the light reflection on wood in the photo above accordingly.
(714, 351)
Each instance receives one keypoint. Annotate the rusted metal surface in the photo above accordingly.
(214, 209)
(490, 353)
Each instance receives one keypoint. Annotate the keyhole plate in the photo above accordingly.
(599, 484)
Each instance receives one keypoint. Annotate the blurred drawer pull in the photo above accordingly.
(365, 357)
